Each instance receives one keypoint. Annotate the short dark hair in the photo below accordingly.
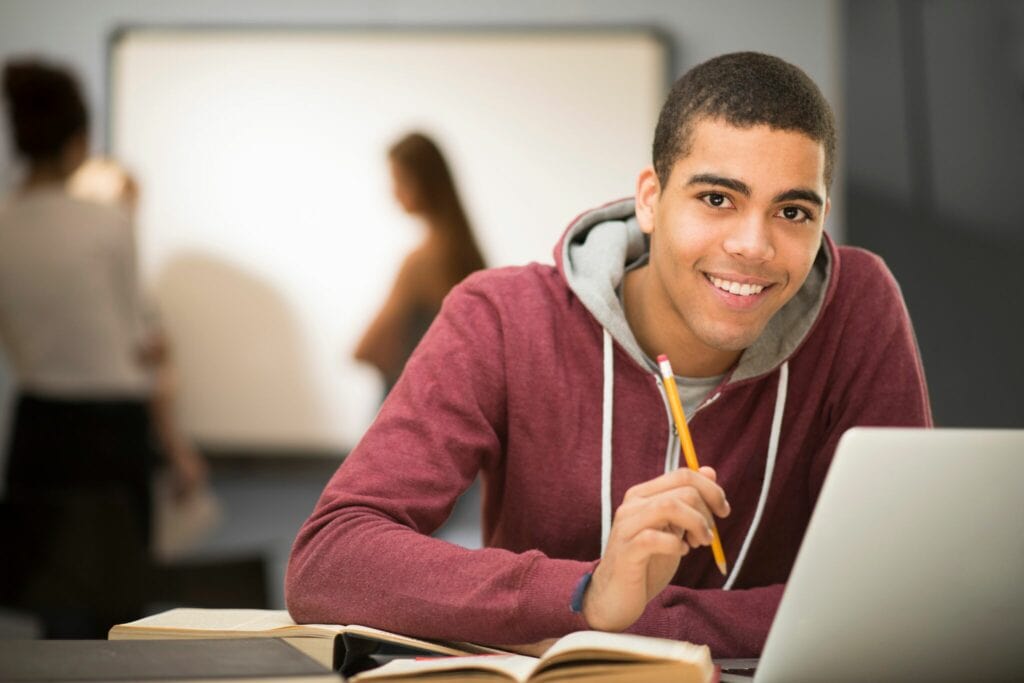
(46, 108)
(744, 89)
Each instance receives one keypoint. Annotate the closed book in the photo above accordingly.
(195, 661)
(336, 646)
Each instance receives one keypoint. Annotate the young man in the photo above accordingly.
(541, 378)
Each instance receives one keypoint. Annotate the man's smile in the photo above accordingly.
(738, 290)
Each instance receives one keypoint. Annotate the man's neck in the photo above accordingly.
(659, 330)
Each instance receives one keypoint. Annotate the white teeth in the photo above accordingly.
(745, 289)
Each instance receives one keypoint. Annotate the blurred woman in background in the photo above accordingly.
(424, 188)
(102, 180)
(70, 319)
(80, 457)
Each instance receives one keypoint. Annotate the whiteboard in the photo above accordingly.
(268, 236)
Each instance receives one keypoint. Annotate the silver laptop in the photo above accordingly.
(912, 567)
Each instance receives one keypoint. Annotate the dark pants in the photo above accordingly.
(76, 519)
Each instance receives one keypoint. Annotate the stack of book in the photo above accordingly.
(358, 651)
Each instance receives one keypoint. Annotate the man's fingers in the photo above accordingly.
(682, 509)
(665, 482)
(689, 538)
(695, 541)
(655, 542)
(712, 493)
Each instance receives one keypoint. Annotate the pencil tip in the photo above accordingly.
(723, 568)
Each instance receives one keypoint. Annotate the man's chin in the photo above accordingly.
(733, 341)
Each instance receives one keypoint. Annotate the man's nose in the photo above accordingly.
(751, 239)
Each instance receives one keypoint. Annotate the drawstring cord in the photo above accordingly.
(606, 457)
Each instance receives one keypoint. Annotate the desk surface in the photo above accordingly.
(261, 659)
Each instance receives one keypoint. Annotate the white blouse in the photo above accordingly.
(70, 310)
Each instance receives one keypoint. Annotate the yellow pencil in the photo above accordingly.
(687, 445)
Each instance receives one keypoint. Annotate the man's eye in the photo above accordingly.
(795, 213)
(716, 200)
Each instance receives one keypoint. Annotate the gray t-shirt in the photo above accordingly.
(694, 390)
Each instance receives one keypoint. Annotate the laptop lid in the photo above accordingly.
(912, 567)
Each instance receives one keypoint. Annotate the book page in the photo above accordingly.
(320, 649)
(191, 622)
(443, 647)
(515, 667)
(623, 646)
(209, 623)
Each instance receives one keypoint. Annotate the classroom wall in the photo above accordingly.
(934, 150)
(262, 511)
(252, 256)
(802, 31)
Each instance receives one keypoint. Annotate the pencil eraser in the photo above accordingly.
(662, 358)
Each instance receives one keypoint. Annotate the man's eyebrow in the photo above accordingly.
(799, 193)
(712, 179)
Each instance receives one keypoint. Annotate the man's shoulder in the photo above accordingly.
(522, 298)
(861, 261)
(866, 290)
(862, 271)
(510, 283)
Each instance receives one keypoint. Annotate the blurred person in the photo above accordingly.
(80, 455)
(104, 181)
(424, 188)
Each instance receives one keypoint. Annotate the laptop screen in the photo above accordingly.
(912, 563)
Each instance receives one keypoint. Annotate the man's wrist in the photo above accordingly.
(590, 606)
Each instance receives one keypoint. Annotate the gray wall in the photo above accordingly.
(934, 144)
(262, 512)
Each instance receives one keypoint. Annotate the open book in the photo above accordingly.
(584, 655)
(332, 645)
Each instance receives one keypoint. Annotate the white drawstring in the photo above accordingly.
(606, 457)
(769, 467)
(606, 443)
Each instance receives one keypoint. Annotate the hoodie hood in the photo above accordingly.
(600, 245)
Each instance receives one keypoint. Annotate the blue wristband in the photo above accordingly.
(577, 595)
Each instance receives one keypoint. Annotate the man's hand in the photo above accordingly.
(658, 522)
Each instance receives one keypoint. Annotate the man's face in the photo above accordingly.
(733, 233)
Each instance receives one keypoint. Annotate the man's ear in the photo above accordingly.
(648, 191)
(828, 208)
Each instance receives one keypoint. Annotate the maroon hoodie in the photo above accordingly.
(510, 381)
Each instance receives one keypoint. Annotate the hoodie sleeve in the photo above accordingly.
(365, 555)
(732, 623)
(879, 379)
